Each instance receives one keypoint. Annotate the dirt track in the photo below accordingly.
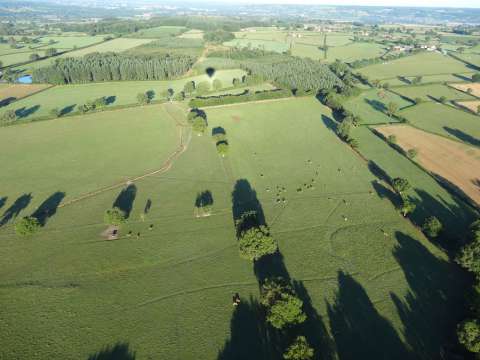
(457, 163)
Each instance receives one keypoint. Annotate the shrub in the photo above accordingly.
(114, 216)
(27, 225)
(432, 227)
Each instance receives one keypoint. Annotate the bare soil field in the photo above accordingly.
(464, 87)
(457, 163)
(18, 91)
(470, 105)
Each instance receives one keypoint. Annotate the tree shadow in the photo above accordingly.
(48, 208)
(119, 351)
(67, 109)
(435, 302)
(462, 77)
(459, 134)
(14, 210)
(329, 123)
(270, 266)
(314, 328)
(3, 201)
(359, 331)
(125, 199)
(248, 332)
(245, 202)
(218, 131)
(203, 199)
(24, 112)
(404, 80)
(7, 100)
(377, 171)
(377, 105)
(110, 99)
(148, 206)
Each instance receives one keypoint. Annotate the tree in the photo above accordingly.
(170, 93)
(142, 98)
(432, 227)
(476, 77)
(400, 185)
(34, 57)
(412, 153)
(469, 255)
(50, 52)
(236, 82)
(299, 350)
(217, 84)
(9, 116)
(442, 99)
(343, 129)
(222, 148)
(114, 216)
(407, 207)
(392, 108)
(256, 242)
(203, 87)
(392, 139)
(55, 112)
(179, 96)
(199, 125)
(468, 333)
(27, 225)
(189, 88)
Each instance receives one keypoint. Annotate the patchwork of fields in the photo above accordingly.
(180, 275)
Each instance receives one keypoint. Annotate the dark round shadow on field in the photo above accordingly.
(210, 71)
(119, 351)
(125, 199)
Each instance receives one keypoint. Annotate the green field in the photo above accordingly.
(162, 293)
(471, 58)
(445, 120)
(67, 97)
(267, 45)
(371, 106)
(432, 92)
(423, 64)
(439, 78)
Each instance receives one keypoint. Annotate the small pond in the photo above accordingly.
(25, 79)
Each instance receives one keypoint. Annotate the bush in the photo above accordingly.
(256, 242)
(432, 227)
(114, 216)
(468, 333)
(26, 226)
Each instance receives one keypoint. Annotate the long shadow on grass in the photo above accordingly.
(67, 109)
(14, 210)
(252, 337)
(24, 112)
(434, 303)
(119, 351)
(359, 331)
(3, 201)
(48, 208)
(377, 105)
(125, 199)
(459, 134)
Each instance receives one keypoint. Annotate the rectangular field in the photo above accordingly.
(428, 63)
(445, 120)
(432, 92)
(457, 163)
(371, 106)
(181, 273)
(474, 88)
(473, 106)
(9, 92)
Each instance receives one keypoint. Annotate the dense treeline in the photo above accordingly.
(244, 97)
(111, 67)
(295, 73)
(117, 26)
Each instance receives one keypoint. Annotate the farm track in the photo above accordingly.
(184, 141)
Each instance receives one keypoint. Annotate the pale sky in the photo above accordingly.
(426, 3)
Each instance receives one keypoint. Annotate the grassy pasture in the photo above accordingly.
(371, 105)
(355, 51)
(267, 45)
(432, 92)
(192, 34)
(428, 63)
(471, 58)
(70, 42)
(439, 78)
(19, 57)
(179, 277)
(67, 97)
(445, 120)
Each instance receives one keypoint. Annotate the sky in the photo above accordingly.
(425, 3)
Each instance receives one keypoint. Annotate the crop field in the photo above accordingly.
(267, 45)
(470, 105)
(431, 198)
(158, 32)
(446, 121)
(371, 106)
(10, 92)
(432, 92)
(192, 34)
(475, 88)
(115, 45)
(459, 164)
(423, 64)
(181, 274)
(66, 98)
